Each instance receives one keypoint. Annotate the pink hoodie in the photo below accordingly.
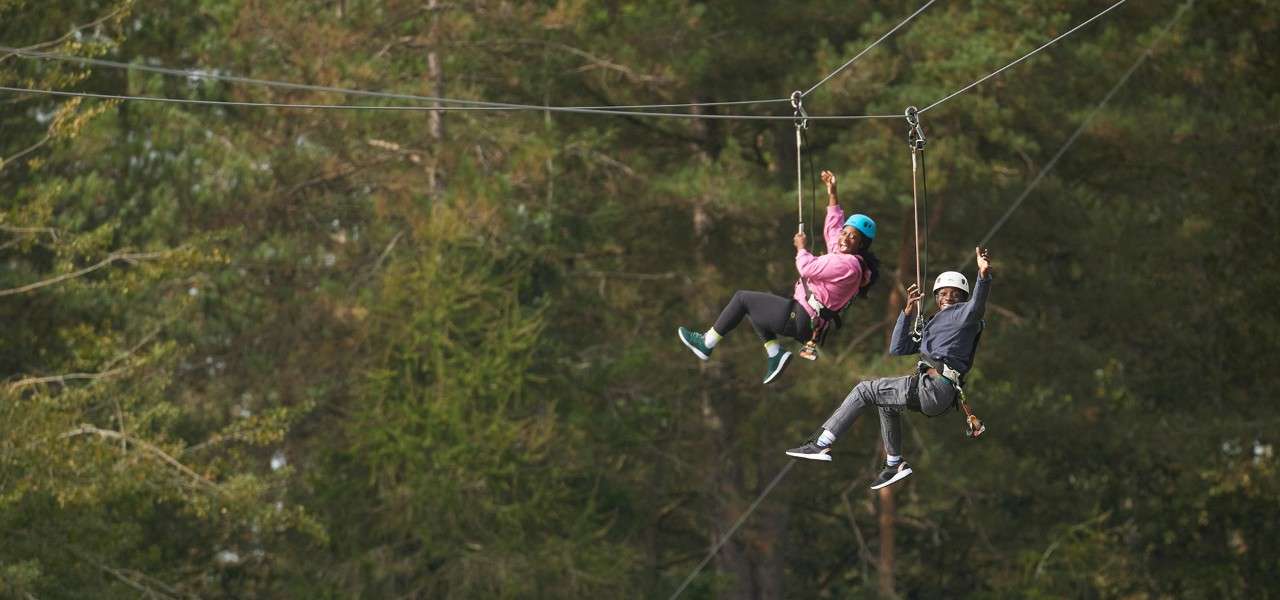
(833, 277)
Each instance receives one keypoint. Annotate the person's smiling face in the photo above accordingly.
(849, 241)
(948, 297)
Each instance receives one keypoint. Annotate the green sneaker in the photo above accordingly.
(776, 366)
(693, 340)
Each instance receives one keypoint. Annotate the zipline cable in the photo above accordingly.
(484, 105)
(725, 538)
(215, 76)
(561, 109)
(1085, 124)
(1024, 57)
(868, 48)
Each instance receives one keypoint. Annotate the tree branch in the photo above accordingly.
(4, 162)
(130, 577)
(1005, 312)
(119, 256)
(633, 276)
(1044, 557)
(74, 30)
(583, 151)
(53, 233)
(387, 251)
(63, 379)
(377, 264)
(597, 62)
(87, 429)
(864, 552)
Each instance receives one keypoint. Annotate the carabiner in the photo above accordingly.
(915, 133)
(802, 117)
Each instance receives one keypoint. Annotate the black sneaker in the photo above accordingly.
(812, 451)
(891, 475)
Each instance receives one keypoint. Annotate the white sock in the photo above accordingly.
(826, 439)
(711, 338)
(893, 460)
(772, 347)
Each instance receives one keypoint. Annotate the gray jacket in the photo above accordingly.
(949, 335)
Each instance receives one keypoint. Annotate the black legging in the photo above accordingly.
(770, 316)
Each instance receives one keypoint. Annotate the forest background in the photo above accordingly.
(263, 352)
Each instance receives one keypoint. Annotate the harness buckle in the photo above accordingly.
(810, 350)
(952, 375)
(815, 304)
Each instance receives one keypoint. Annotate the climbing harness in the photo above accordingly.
(973, 425)
(919, 196)
(822, 323)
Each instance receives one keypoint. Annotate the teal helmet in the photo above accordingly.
(864, 224)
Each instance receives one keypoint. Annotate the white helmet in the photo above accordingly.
(951, 279)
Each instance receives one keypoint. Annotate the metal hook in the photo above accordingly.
(802, 117)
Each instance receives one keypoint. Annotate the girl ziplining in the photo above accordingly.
(827, 284)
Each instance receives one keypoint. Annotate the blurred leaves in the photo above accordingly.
(436, 361)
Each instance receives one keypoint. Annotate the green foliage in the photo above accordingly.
(294, 353)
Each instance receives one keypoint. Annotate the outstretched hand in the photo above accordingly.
(984, 262)
(913, 300)
(829, 179)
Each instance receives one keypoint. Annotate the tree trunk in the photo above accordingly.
(435, 118)
(887, 513)
(905, 276)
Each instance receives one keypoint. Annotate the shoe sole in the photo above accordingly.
(782, 366)
(696, 352)
(896, 478)
(824, 457)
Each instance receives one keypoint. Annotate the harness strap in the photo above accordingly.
(821, 323)
(973, 425)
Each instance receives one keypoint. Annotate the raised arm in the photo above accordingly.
(834, 222)
(902, 344)
(829, 179)
(977, 305)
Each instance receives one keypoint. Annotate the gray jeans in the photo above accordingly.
(921, 393)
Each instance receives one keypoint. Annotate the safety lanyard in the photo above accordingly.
(801, 123)
(919, 204)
